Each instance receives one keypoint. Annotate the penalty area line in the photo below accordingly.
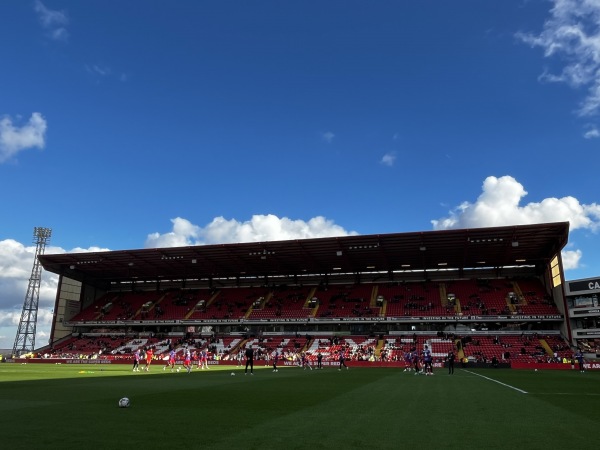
(496, 381)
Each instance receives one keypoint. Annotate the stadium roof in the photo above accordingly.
(463, 249)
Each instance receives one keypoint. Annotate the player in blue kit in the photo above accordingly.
(341, 359)
(171, 362)
(305, 361)
(415, 361)
(136, 360)
(427, 361)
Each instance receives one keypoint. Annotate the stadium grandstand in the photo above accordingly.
(488, 294)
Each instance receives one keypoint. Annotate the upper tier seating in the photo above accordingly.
(413, 299)
(284, 303)
(229, 303)
(346, 301)
(409, 299)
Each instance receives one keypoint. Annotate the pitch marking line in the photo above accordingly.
(584, 394)
(496, 381)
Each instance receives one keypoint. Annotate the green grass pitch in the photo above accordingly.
(74, 407)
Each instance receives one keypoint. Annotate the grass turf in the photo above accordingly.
(64, 406)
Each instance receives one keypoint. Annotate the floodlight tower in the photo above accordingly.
(25, 339)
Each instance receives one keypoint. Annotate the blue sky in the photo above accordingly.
(144, 123)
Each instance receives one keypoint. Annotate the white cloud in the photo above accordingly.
(97, 69)
(258, 229)
(592, 133)
(16, 262)
(12, 318)
(102, 71)
(88, 250)
(53, 21)
(328, 137)
(571, 259)
(572, 34)
(388, 159)
(14, 139)
(9, 323)
(499, 205)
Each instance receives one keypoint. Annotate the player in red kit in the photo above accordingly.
(149, 354)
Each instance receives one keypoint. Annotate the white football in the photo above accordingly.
(233, 374)
(124, 403)
(178, 369)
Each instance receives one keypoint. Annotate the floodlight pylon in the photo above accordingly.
(25, 339)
